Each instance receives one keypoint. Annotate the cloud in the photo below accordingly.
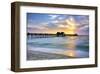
(67, 25)
(53, 16)
(71, 21)
(62, 26)
(84, 30)
(39, 26)
(84, 22)
(61, 18)
(55, 21)
(84, 27)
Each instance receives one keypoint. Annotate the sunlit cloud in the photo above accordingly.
(61, 18)
(84, 27)
(53, 16)
(52, 23)
(61, 26)
(71, 25)
(55, 21)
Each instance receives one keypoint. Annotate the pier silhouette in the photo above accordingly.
(45, 35)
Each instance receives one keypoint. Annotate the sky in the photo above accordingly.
(53, 23)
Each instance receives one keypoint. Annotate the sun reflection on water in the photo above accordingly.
(71, 47)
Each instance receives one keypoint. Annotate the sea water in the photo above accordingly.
(71, 46)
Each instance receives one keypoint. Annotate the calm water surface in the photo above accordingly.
(72, 46)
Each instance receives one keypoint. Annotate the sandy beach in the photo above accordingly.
(37, 55)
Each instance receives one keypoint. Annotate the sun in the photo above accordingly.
(72, 26)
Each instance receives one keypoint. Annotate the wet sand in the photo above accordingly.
(38, 55)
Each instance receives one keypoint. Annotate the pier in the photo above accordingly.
(46, 35)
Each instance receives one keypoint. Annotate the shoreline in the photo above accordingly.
(36, 53)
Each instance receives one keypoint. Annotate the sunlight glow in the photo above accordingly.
(71, 29)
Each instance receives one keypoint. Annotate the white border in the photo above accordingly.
(64, 62)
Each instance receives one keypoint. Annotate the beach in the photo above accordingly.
(37, 55)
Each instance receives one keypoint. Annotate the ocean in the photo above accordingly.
(58, 47)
